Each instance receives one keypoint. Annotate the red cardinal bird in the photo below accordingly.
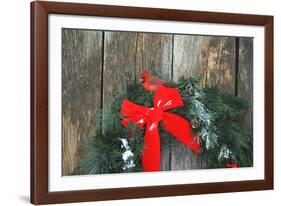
(150, 82)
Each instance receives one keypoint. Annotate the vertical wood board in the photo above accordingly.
(81, 90)
(212, 59)
(126, 55)
(245, 79)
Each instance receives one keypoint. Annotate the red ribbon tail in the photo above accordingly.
(151, 148)
(180, 128)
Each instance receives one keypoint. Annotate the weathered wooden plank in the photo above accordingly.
(217, 63)
(213, 60)
(81, 90)
(119, 63)
(154, 53)
(187, 52)
(187, 61)
(126, 55)
(245, 79)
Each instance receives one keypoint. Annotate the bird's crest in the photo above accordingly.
(145, 74)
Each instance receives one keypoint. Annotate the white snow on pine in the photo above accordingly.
(127, 156)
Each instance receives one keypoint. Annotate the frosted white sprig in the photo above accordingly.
(127, 156)
(225, 153)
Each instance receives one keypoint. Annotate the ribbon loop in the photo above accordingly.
(165, 98)
(133, 113)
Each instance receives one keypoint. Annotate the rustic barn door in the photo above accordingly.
(97, 63)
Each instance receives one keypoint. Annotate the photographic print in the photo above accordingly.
(160, 102)
(152, 102)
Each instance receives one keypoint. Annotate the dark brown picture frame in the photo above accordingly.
(39, 102)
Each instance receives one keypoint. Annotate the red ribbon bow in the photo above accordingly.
(165, 98)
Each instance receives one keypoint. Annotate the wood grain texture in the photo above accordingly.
(245, 79)
(81, 90)
(217, 63)
(126, 55)
(212, 59)
(187, 62)
(154, 53)
(187, 54)
(119, 63)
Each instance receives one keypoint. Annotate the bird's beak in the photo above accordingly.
(141, 80)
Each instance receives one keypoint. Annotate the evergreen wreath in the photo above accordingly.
(214, 116)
